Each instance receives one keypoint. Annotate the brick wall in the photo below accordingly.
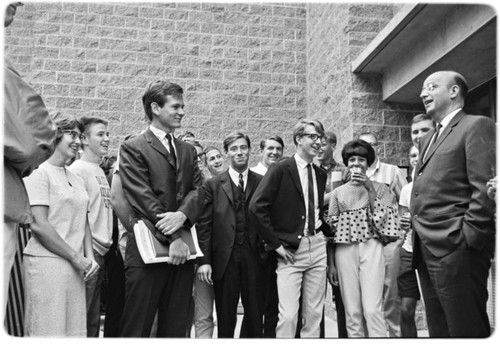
(243, 65)
(347, 103)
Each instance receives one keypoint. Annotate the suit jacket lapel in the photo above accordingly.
(157, 145)
(251, 185)
(294, 172)
(226, 186)
(443, 136)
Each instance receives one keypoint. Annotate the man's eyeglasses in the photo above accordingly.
(313, 137)
(74, 134)
(432, 86)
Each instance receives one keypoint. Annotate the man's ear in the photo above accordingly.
(155, 108)
(454, 91)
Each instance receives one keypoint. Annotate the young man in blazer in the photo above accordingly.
(286, 210)
(162, 184)
(453, 218)
(229, 242)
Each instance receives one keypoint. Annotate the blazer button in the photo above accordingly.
(303, 217)
(300, 236)
(179, 195)
(416, 194)
(420, 173)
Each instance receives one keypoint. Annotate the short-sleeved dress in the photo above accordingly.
(55, 291)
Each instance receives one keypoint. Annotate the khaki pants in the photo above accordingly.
(306, 277)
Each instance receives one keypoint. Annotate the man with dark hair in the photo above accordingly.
(391, 176)
(161, 181)
(453, 218)
(272, 151)
(95, 144)
(233, 266)
(286, 210)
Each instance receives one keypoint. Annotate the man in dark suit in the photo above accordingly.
(452, 216)
(229, 242)
(162, 184)
(286, 210)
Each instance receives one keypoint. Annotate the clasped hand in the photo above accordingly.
(170, 222)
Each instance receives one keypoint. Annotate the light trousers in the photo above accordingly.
(360, 268)
(203, 309)
(392, 302)
(306, 277)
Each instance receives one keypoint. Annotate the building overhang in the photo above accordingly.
(424, 38)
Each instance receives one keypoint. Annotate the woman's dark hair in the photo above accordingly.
(359, 148)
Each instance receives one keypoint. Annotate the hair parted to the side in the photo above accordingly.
(420, 118)
(87, 121)
(272, 138)
(233, 137)
(157, 92)
(299, 128)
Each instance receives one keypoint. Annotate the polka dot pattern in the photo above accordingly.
(352, 221)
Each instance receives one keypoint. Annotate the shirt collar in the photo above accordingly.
(160, 134)
(373, 167)
(448, 118)
(301, 163)
(236, 175)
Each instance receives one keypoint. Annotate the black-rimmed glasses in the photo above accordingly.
(74, 134)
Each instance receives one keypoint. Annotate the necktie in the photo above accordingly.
(310, 211)
(241, 185)
(438, 128)
(172, 150)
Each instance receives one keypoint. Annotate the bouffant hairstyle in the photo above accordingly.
(359, 148)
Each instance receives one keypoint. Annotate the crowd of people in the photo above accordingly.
(272, 236)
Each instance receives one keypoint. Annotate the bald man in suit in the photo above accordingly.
(453, 220)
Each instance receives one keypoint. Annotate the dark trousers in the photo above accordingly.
(270, 306)
(157, 287)
(115, 292)
(454, 288)
(242, 277)
(339, 306)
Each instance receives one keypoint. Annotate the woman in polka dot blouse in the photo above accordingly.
(363, 218)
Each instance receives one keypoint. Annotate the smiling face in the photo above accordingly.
(357, 163)
(69, 144)
(96, 139)
(215, 162)
(419, 130)
(237, 154)
(439, 95)
(309, 143)
(272, 152)
(168, 117)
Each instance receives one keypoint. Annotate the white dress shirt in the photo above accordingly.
(302, 167)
